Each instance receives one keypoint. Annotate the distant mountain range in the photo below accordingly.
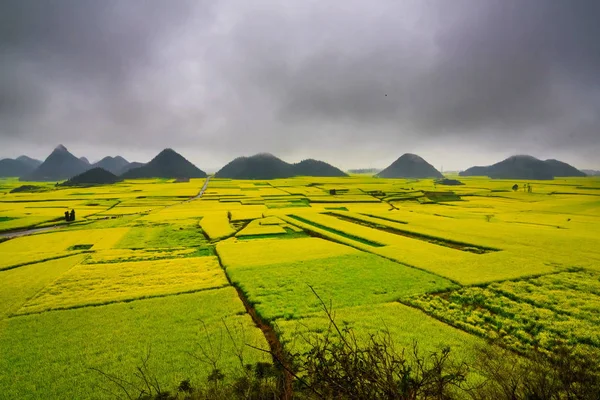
(267, 166)
(410, 166)
(61, 165)
(524, 167)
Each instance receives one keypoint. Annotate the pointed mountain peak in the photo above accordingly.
(61, 148)
(167, 164)
(168, 150)
(410, 165)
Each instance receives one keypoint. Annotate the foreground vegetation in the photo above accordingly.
(146, 266)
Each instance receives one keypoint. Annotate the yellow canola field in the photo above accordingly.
(256, 228)
(216, 225)
(247, 212)
(62, 240)
(271, 221)
(53, 244)
(20, 284)
(249, 253)
(460, 266)
(91, 284)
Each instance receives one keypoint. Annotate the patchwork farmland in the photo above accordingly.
(149, 271)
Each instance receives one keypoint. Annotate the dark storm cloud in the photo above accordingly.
(349, 81)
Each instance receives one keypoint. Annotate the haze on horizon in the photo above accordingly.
(356, 84)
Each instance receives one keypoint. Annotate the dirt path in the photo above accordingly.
(24, 232)
(203, 189)
(275, 346)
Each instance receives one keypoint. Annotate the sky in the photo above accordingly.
(354, 83)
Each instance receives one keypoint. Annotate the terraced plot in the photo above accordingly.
(143, 268)
(540, 312)
(94, 284)
(50, 355)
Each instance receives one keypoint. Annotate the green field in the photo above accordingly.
(144, 269)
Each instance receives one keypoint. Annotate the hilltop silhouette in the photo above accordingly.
(167, 164)
(267, 166)
(410, 166)
(524, 167)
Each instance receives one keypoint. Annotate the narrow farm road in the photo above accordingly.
(203, 188)
(24, 232)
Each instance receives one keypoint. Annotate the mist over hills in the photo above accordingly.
(410, 166)
(591, 172)
(116, 165)
(31, 162)
(167, 164)
(267, 166)
(524, 167)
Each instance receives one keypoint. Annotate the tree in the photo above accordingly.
(515, 187)
(67, 218)
(72, 216)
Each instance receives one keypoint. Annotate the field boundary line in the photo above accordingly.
(41, 261)
(276, 347)
(118, 301)
(314, 233)
(435, 240)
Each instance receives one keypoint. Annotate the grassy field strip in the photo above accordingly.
(277, 285)
(406, 326)
(468, 268)
(245, 254)
(19, 285)
(399, 229)
(31, 259)
(522, 320)
(49, 355)
(216, 226)
(491, 234)
(536, 242)
(61, 241)
(182, 234)
(127, 255)
(327, 234)
(255, 227)
(461, 267)
(97, 284)
(572, 293)
(351, 236)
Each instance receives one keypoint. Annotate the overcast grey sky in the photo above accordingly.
(355, 83)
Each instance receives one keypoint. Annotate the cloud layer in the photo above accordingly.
(354, 83)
